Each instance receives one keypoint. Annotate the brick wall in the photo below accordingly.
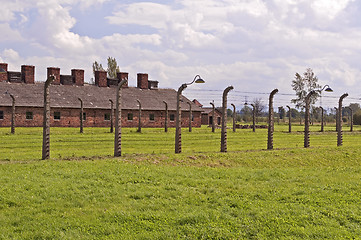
(78, 76)
(27, 74)
(4, 76)
(56, 72)
(206, 118)
(94, 118)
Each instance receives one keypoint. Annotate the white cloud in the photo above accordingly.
(329, 8)
(251, 44)
(9, 34)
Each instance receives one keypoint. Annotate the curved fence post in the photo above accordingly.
(118, 120)
(306, 142)
(81, 117)
(289, 119)
(139, 116)
(166, 117)
(322, 119)
(213, 117)
(253, 117)
(46, 119)
(336, 109)
(234, 117)
(111, 115)
(12, 114)
(190, 117)
(270, 120)
(339, 129)
(224, 119)
(178, 128)
(351, 125)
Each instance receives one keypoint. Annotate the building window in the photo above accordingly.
(171, 117)
(1, 115)
(84, 116)
(192, 117)
(56, 115)
(29, 115)
(107, 116)
(130, 116)
(151, 117)
(219, 120)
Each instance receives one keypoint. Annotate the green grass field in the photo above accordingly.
(82, 192)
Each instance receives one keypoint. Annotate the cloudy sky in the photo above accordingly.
(254, 45)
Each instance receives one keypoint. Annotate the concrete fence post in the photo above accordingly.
(289, 119)
(322, 119)
(339, 130)
(81, 117)
(12, 114)
(46, 119)
(306, 142)
(351, 112)
(118, 119)
(253, 117)
(234, 117)
(213, 117)
(190, 117)
(178, 128)
(224, 119)
(336, 109)
(111, 115)
(270, 120)
(166, 117)
(139, 116)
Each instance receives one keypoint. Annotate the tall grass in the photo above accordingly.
(98, 142)
(152, 193)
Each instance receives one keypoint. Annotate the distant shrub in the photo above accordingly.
(357, 118)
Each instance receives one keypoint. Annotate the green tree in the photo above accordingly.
(113, 67)
(303, 84)
(97, 67)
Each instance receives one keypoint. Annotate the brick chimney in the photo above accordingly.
(27, 74)
(121, 76)
(78, 76)
(101, 78)
(56, 72)
(4, 76)
(142, 80)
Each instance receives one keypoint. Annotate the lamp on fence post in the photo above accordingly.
(178, 137)
(307, 113)
(12, 112)
(224, 119)
(351, 125)
(190, 117)
(213, 116)
(118, 120)
(289, 119)
(166, 117)
(234, 117)
(339, 130)
(139, 116)
(46, 119)
(81, 117)
(270, 120)
(111, 115)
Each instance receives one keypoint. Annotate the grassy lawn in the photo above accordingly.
(152, 193)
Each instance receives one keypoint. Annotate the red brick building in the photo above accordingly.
(65, 105)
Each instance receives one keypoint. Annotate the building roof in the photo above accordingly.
(66, 96)
(208, 110)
